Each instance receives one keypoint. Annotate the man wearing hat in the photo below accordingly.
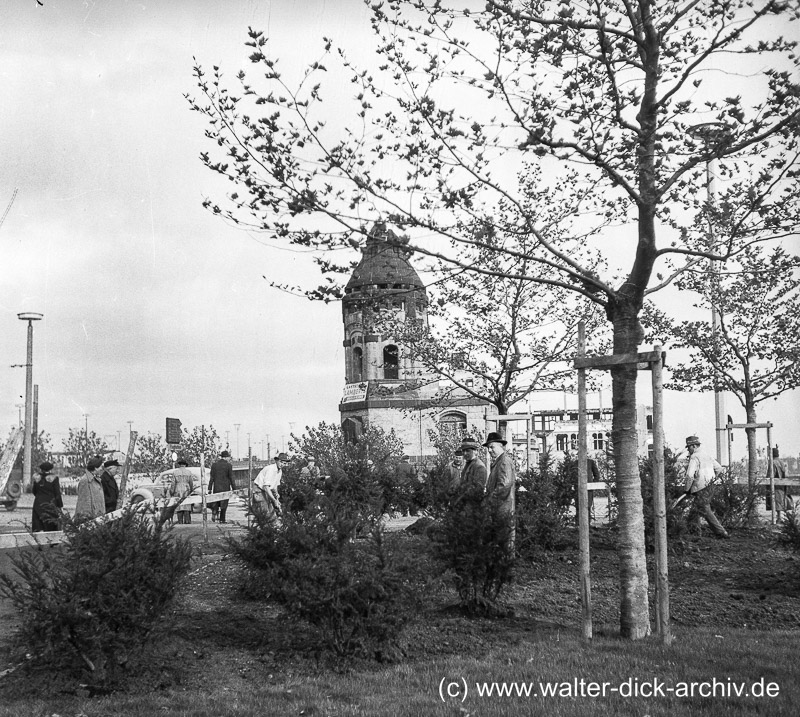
(182, 487)
(221, 480)
(700, 473)
(91, 500)
(47, 501)
(453, 474)
(310, 473)
(500, 490)
(108, 479)
(472, 481)
(783, 501)
(265, 490)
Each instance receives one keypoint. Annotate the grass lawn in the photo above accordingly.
(735, 604)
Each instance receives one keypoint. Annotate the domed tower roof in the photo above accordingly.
(384, 264)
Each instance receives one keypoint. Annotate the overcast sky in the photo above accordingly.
(152, 307)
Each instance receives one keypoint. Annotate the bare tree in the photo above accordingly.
(755, 354)
(547, 131)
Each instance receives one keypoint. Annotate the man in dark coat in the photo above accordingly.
(472, 483)
(221, 480)
(500, 490)
(108, 478)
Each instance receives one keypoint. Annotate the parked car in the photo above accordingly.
(159, 487)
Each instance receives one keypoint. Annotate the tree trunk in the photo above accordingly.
(752, 448)
(634, 604)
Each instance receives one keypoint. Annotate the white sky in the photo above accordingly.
(153, 307)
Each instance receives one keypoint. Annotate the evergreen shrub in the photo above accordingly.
(789, 534)
(544, 497)
(469, 543)
(91, 607)
(327, 563)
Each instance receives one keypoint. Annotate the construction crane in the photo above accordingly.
(8, 208)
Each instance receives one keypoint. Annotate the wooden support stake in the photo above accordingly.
(771, 470)
(126, 469)
(203, 491)
(659, 505)
(582, 502)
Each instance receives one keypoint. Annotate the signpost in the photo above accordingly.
(173, 431)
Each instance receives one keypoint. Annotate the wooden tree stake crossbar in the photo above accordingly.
(644, 361)
(654, 362)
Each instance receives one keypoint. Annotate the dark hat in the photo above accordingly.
(495, 437)
(692, 441)
(181, 462)
(225, 454)
(459, 452)
(46, 467)
(94, 463)
(112, 462)
(469, 444)
(281, 457)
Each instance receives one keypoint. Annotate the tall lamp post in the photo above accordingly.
(27, 472)
(714, 135)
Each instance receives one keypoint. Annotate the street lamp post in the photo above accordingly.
(714, 135)
(236, 426)
(27, 472)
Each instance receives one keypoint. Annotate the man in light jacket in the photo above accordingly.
(265, 490)
(700, 473)
(91, 499)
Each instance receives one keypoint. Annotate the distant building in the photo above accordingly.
(384, 385)
(556, 430)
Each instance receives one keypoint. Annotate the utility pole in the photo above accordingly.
(27, 469)
(714, 135)
(236, 426)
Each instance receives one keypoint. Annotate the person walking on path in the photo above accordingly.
(108, 479)
(500, 491)
(182, 487)
(91, 499)
(47, 500)
(700, 474)
(221, 480)
(266, 502)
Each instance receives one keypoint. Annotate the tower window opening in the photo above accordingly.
(390, 362)
(358, 364)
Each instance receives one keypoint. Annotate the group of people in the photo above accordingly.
(473, 485)
(470, 484)
(98, 494)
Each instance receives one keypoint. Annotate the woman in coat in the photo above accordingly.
(47, 502)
